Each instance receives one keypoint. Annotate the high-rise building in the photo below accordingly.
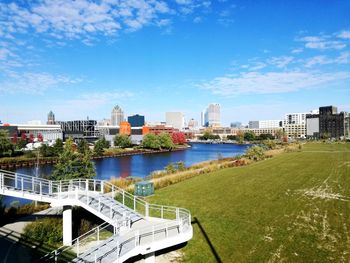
(294, 125)
(117, 116)
(175, 119)
(328, 123)
(51, 118)
(236, 124)
(212, 115)
(136, 120)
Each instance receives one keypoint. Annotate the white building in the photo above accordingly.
(295, 125)
(212, 115)
(175, 119)
(49, 132)
(117, 116)
(265, 124)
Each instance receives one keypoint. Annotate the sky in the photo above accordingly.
(258, 59)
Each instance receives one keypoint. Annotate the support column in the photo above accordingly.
(67, 225)
(150, 258)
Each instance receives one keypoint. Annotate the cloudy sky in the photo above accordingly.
(258, 59)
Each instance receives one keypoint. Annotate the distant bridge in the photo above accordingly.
(138, 227)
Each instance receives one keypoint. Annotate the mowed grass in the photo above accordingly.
(294, 207)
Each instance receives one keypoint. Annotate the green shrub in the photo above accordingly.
(47, 230)
(255, 153)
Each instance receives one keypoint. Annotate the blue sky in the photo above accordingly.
(258, 59)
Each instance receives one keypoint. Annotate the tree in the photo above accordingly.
(6, 147)
(83, 146)
(249, 136)
(165, 141)
(231, 137)
(122, 140)
(46, 151)
(100, 145)
(14, 138)
(240, 137)
(58, 147)
(72, 165)
(150, 141)
(266, 136)
(178, 138)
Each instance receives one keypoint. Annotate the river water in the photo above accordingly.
(143, 165)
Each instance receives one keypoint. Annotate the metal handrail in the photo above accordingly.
(55, 188)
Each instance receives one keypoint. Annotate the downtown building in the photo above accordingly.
(265, 124)
(328, 123)
(117, 116)
(294, 125)
(211, 116)
(136, 120)
(175, 119)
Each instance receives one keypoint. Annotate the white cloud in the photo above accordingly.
(77, 19)
(344, 34)
(281, 62)
(197, 20)
(343, 58)
(297, 50)
(322, 42)
(34, 83)
(270, 82)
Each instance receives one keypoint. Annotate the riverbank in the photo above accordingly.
(23, 161)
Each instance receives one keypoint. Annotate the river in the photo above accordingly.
(142, 165)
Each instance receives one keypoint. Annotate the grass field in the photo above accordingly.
(294, 207)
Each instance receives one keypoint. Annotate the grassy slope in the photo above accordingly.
(260, 213)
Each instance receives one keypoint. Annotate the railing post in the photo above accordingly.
(15, 180)
(99, 204)
(123, 197)
(137, 236)
(33, 185)
(147, 210)
(98, 235)
(162, 212)
(87, 185)
(102, 190)
(55, 255)
(22, 185)
(94, 185)
(166, 230)
(50, 188)
(134, 203)
(40, 188)
(177, 213)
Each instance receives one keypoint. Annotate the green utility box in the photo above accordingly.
(144, 188)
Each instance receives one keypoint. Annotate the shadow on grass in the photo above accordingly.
(38, 248)
(195, 221)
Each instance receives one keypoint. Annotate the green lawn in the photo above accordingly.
(294, 207)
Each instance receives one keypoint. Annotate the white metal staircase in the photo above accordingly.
(138, 227)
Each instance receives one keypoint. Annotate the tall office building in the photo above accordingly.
(117, 116)
(136, 120)
(51, 118)
(175, 119)
(212, 115)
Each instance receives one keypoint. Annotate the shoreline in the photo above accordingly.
(30, 162)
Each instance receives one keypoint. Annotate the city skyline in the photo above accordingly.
(257, 60)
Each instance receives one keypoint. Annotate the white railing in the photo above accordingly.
(89, 187)
(97, 191)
